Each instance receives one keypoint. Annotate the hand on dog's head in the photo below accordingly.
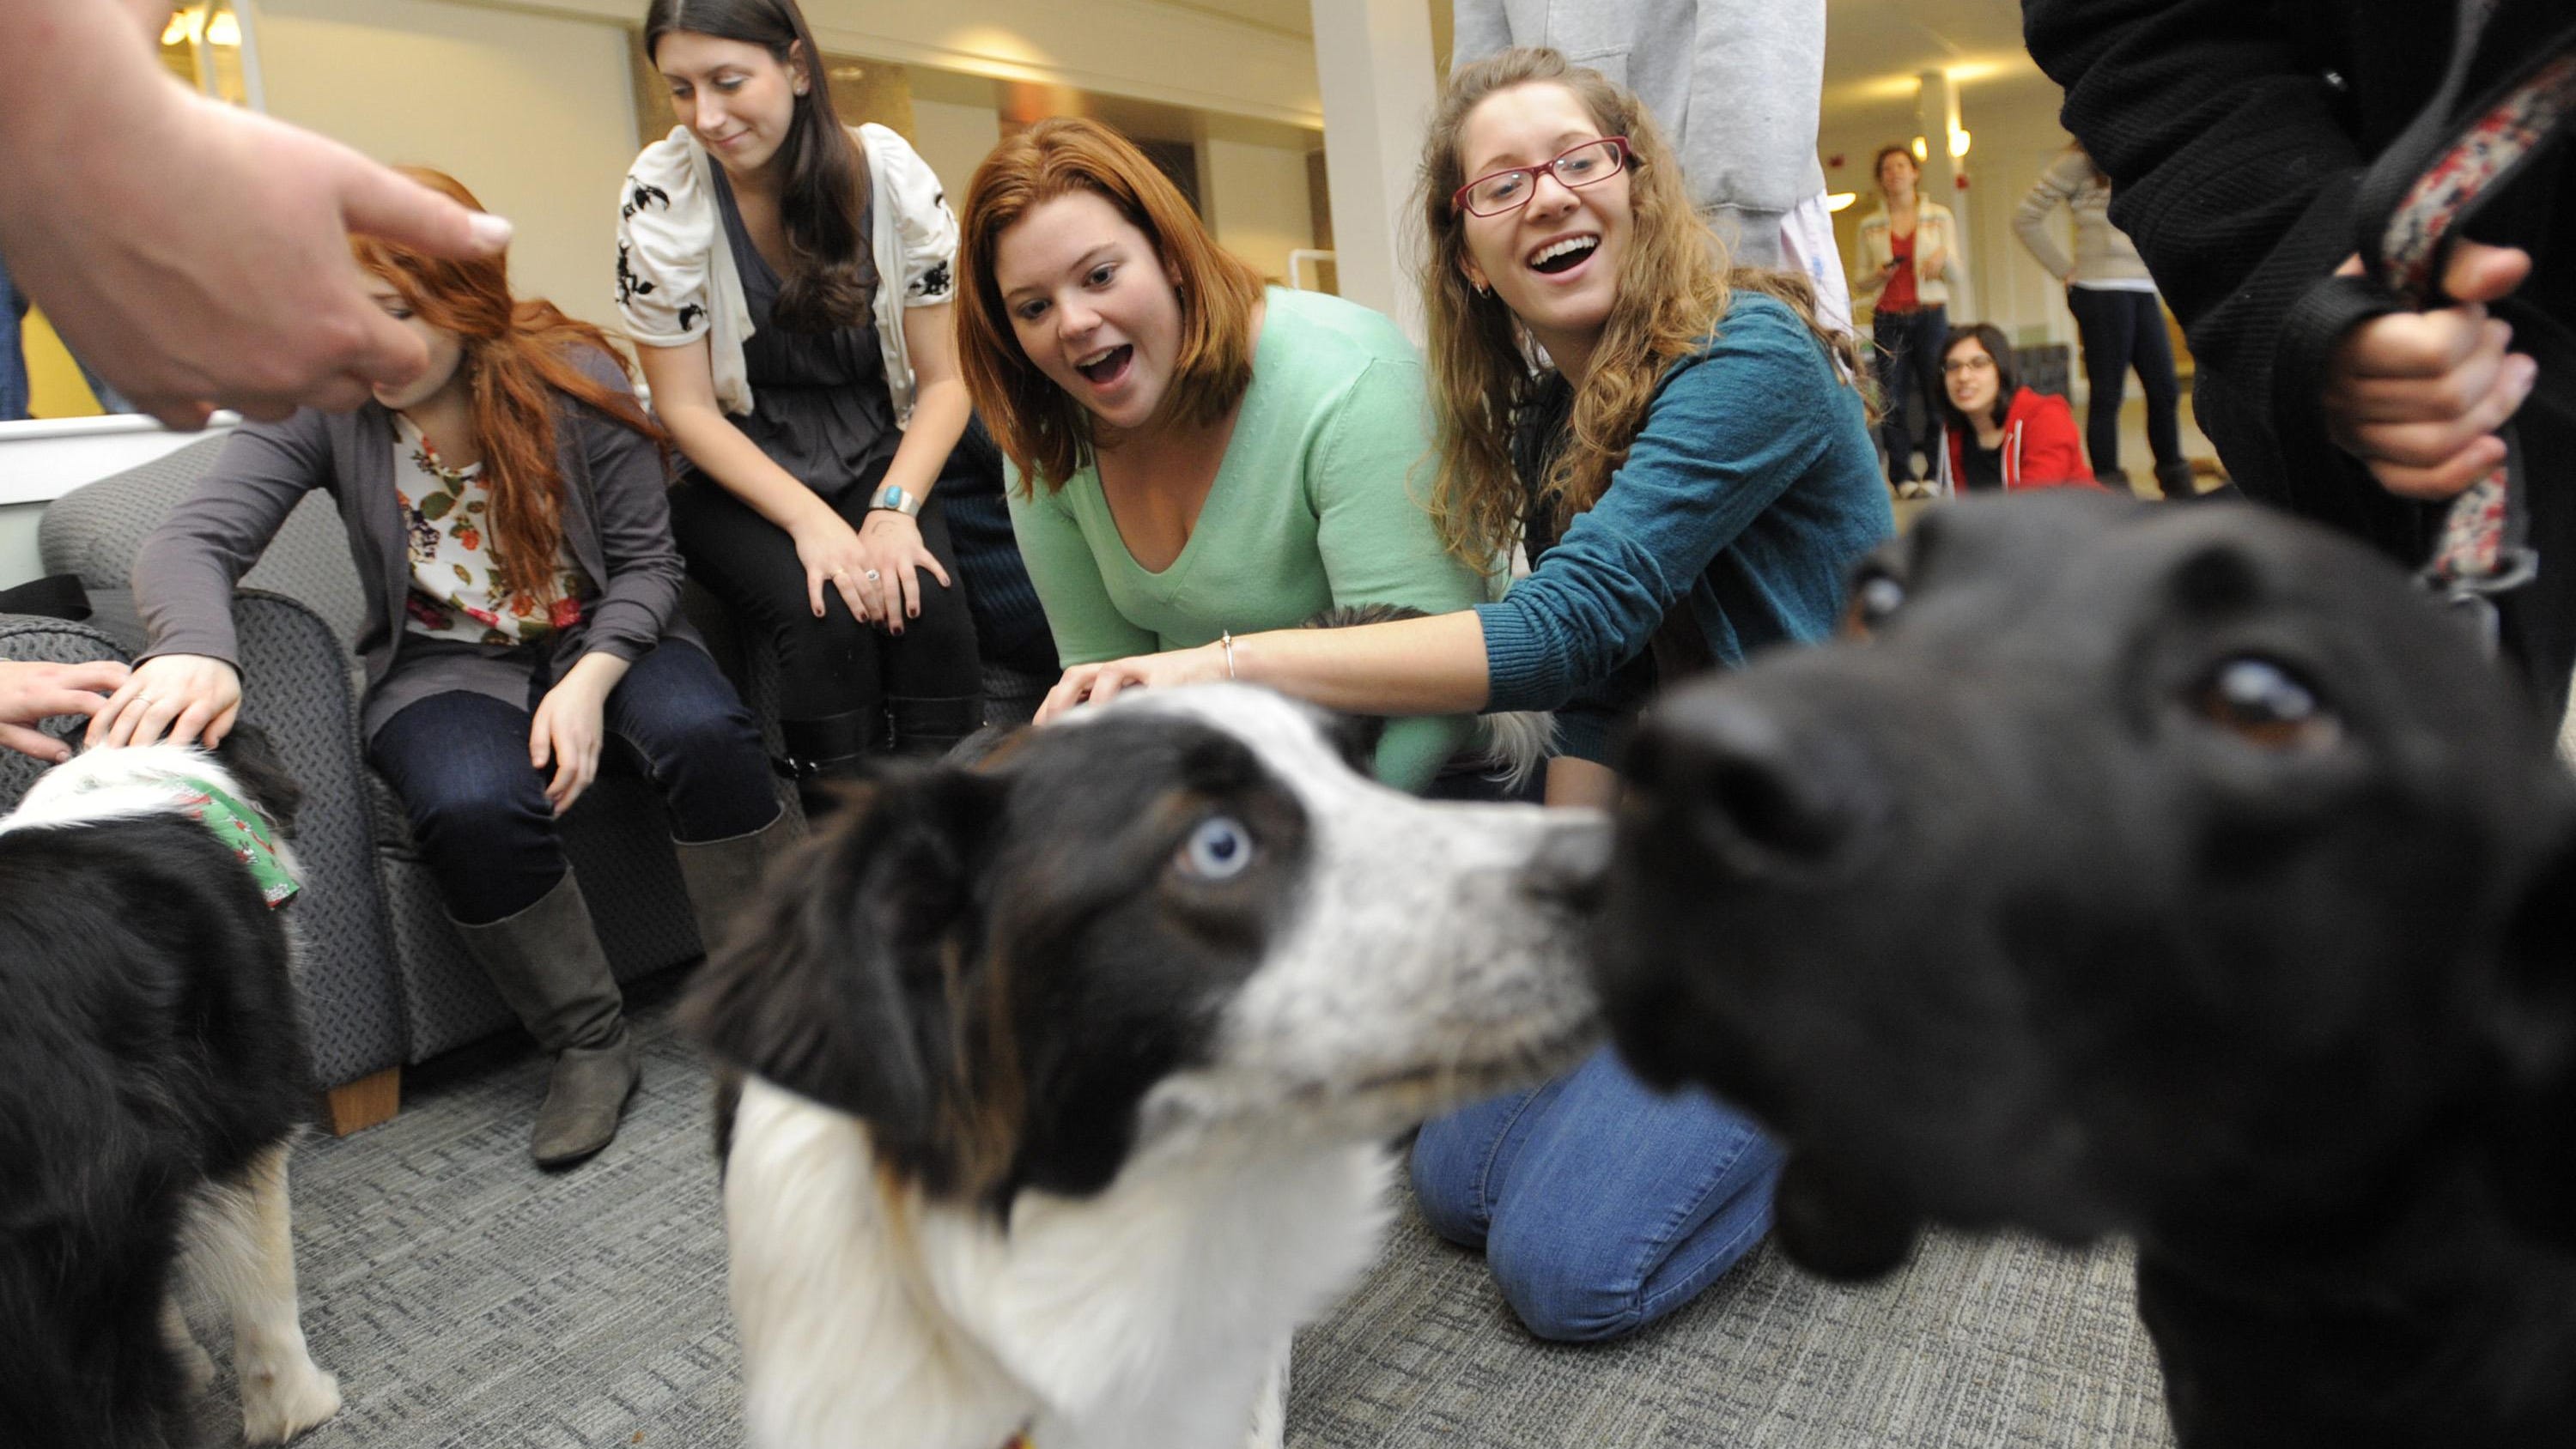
(2142, 868)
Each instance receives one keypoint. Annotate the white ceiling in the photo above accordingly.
(1873, 48)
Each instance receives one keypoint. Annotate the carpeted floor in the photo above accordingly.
(467, 1300)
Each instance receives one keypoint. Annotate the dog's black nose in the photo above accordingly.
(1735, 770)
(1572, 859)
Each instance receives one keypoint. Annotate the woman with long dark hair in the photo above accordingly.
(507, 514)
(1995, 433)
(1692, 477)
(787, 281)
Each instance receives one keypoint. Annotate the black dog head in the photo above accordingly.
(1186, 912)
(2139, 869)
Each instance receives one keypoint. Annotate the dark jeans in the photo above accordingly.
(834, 665)
(478, 809)
(2122, 330)
(1909, 381)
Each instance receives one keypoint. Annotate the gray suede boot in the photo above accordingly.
(547, 963)
(723, 877)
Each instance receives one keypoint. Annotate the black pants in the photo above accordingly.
(834, 665)
(1909, 379)
(2120, 331)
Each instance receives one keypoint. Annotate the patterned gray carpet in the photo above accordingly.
(467, 1300)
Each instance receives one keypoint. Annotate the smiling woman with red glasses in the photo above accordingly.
(1692, 475)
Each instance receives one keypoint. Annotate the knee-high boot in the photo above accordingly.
(546, 961)
(929, 727)
(723, 876)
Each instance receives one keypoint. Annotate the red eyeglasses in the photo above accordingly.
(1508, 191)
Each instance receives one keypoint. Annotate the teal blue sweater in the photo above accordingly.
(1751, 490)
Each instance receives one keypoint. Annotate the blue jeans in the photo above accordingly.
(1908, 354)
(479, 813)
(13, 357)
(1601, 1205)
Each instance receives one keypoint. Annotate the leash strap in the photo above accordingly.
(2483, 548)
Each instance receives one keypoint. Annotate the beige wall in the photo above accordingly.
(954, 137)
(1256, 200)
(535, 113)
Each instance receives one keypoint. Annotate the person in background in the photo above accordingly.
(1905, 246)
(2236, 137)
(787, 283)
(1194, 455)
(1737, 86)
(196, 253)
(1995, 433)
(2118, 320)
(508, 517)
(1693, 477)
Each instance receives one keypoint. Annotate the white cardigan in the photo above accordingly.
(675, 275)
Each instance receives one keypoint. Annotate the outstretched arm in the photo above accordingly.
(195, 253)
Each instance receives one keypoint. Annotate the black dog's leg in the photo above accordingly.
(1839, 1229)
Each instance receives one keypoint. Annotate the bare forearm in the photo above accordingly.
(720, 450)
(939, 417)
(1408, 667)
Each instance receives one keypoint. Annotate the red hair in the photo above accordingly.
(1045, 432)
(517, 355)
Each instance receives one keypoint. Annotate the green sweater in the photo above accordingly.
(1316, 505)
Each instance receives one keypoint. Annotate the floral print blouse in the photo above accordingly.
(456, 589)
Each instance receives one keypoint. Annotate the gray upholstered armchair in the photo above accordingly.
(387, 982)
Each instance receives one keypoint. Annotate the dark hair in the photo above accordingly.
(517, 356)
(2007, 377)
(1893, 148)
(823, 191)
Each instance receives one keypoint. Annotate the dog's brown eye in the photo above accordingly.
(1218, 849)
(2265, 704)
(1874, 597)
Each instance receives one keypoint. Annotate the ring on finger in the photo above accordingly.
(872, 576)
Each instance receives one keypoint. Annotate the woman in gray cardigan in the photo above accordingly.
(507, 515)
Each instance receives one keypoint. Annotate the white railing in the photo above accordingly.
(44, 459)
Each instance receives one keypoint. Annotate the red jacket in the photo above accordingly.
(2041, 448)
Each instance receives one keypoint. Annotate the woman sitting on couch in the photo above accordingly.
(507, 515)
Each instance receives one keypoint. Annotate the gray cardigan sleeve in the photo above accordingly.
(184, 573)
(630, 500)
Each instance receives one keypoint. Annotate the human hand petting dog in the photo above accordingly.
(178, 699)
(2418, 396)
(32, 693)
(568, 729)
(197, 253)
(1099, 683)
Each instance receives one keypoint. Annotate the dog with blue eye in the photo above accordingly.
(2183, 875)
(1069, 1075)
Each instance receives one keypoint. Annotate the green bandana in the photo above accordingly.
(240, 827)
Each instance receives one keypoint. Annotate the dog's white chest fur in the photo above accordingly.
(1142, 1318)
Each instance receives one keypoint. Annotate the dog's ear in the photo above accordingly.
(842, 984)
(1837, 1228)
(252, 760)
(2533, 1151)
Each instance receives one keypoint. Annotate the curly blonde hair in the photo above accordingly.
(1674, 285)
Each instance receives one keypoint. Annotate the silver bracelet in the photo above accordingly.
(1226, 639)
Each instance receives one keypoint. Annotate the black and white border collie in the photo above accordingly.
(152, 1074)
(1072, 1075)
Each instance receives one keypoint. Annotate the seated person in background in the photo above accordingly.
(1692, 479)
(508, 519)
(787, 282)
(1191, 454)
(1995, 433)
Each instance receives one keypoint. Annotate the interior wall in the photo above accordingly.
(534, 113)
(954, 138)
(1256, 202)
